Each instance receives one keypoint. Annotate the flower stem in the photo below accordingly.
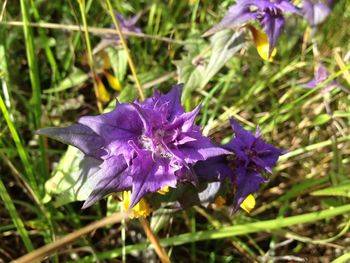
(163, 256)
(89, 53)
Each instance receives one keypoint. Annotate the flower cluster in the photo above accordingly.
(152, 146)
(269, 13)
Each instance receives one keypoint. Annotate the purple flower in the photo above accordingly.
(142, 146)
(316, 11)
(269, 13)
(126, 25)
(253, 157)
(321, 75)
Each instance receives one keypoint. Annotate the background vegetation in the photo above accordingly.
(301, 213)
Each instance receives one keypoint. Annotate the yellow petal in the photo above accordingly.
(102, 93)
(219, 201)
(262, 44)
(164, 190)
(112, 81)
(142, 208)
(248, 204)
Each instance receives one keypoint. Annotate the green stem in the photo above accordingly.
(230, 231)
(127, 52)
(6, 198)
(89, 52)
(35, 100)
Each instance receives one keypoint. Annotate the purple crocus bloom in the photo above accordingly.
(321, 75)
(316, 11)
(142, 146)
(253, 157)
(269, 13)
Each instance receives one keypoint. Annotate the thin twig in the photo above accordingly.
(3, 10)
(47, 250)
(126, 49)
(163, 256)
(89, 54)
(93, 30)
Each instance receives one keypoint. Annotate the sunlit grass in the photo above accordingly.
(46, 80)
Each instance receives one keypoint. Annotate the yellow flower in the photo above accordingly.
(164, 190)
(248, 203)
(112, 81)
(102, 93)
(142, 208)
(262, 44)
(219, 201)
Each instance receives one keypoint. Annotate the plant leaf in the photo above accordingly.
(338, 190)
(76, 78)
(196, 71)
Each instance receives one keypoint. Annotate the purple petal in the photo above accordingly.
(113, 178)
(150, 176)
(185, 121)
(79, 136)
(235, 17)
(315, 13)
(172, 100)
(213, 169)
(116, 127)
(246, 137)
(322, 73)
(198, 150)
(286, 6)
(238, 147)
(267, 155)
(247, 182)
(311, 84)
(132, 21)
(273, 28)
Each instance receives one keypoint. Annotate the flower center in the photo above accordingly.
(155, 144)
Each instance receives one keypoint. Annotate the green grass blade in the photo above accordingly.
(35, 82)
(15, 217)
(230, 231)
(342, 259)
(33, 65)
(20, 149)
(49, 54)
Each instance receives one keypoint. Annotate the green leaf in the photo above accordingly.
(225, 46)
(160, 219)
(196, 72)
(342, 259)
(72, 180)
(76, 78)
(16, 219)
(119, 61)
(321, 119)
(189, 74)
(338, 190)
(228, 231)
